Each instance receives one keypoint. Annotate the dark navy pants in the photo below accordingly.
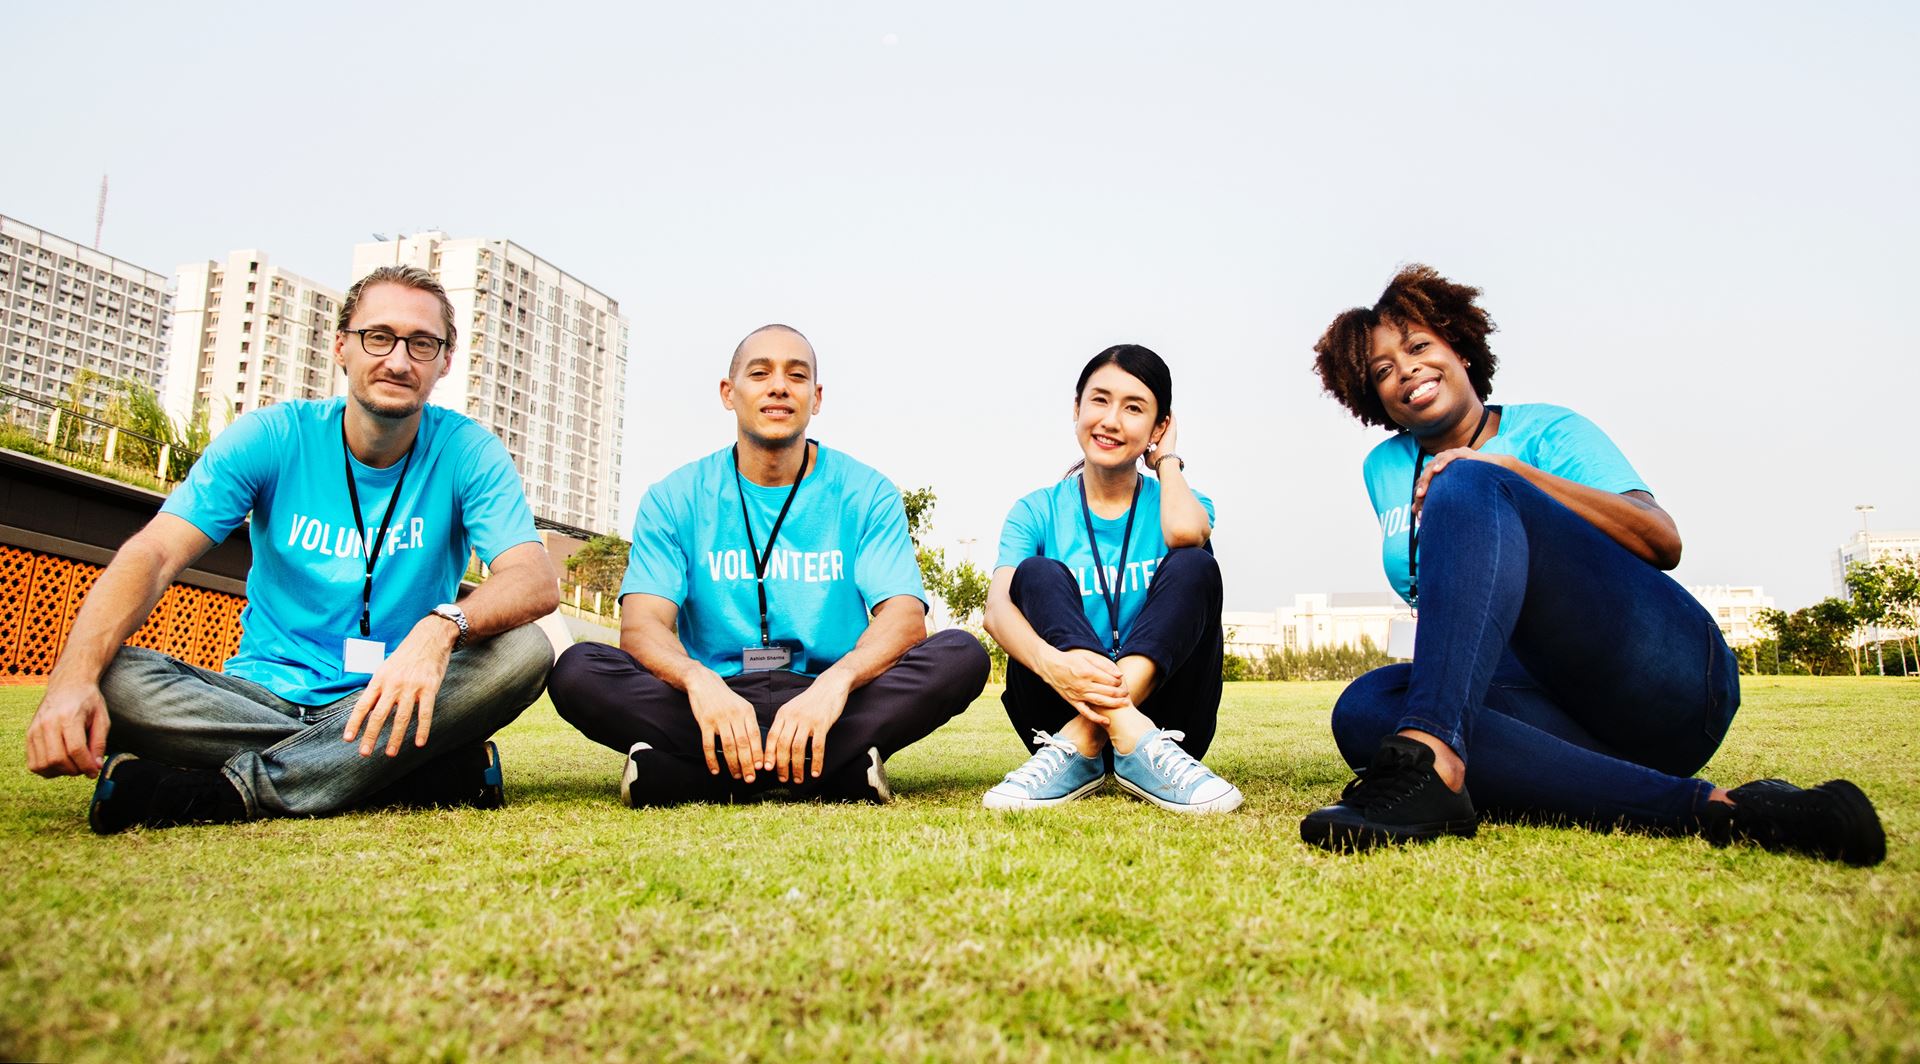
(1574, 678)
(1178, 629)
(604, 692)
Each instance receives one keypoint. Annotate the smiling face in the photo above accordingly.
(1115, 418)
(392, 385)
(1419, 378)
(773, 392)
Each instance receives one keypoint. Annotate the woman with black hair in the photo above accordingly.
(1557, 670)
(1107, 599)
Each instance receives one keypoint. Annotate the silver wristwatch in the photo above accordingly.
(458, 616)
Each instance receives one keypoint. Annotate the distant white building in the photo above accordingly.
(1735, 609)
(1314, 621)
(247, 334)
(1871, 547)
(541, 360)
(66, 309)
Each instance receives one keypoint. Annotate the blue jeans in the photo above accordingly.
(1178, 629)
(287, 759)
(1572, 677)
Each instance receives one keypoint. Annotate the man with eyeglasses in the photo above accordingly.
(359, 680)
(773, 626)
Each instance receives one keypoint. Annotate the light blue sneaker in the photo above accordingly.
(1056, 774)
(1162, 773)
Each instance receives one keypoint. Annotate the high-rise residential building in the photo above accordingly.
(66, 309)
(541, 360)
(1871, 547)
(247, 334)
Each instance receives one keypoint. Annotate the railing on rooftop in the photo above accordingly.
(41, 427)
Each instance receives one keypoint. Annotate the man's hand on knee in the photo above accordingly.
(725, 716)
(805, 720)
(68, 734)
(404, 685)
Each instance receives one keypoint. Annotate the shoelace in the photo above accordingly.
(1388, 781)
(1047, 763)
(1178, 766)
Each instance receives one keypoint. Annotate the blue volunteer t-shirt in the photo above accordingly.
(842, 551)
(1049, 523)
(1546, 437)
(286, 464)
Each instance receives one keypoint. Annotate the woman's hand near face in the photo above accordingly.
(1167, 443)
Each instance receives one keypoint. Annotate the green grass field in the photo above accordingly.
(566, 926)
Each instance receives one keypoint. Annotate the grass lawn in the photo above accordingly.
(567, 926)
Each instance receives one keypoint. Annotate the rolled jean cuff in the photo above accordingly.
(245, 787)
(1702, 795)
(1455, 740)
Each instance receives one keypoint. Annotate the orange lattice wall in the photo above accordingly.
(40, 593)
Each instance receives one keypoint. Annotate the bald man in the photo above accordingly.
(772, 620)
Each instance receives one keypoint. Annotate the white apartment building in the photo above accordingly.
(66, 308)
(541, 360)
(1735, 609)
(1314, 621)
(1871, 547)
(248, 334)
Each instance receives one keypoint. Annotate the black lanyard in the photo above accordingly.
(372, 549)
(1107, 591)
(1413, 527)
(760, 560)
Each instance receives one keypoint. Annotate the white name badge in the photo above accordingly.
(765, 659)
(1400, 640)
(363, 655)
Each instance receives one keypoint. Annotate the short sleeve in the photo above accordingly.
(223, 485)
(884, 564)
(657, 561)
(493, 503)
(1575, 448)
(1021, 536)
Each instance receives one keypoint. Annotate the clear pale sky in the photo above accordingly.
(1695, 223)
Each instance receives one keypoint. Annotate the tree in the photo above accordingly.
(1867, 598)
(933, 561)
(599, 564)
(965, 591)
(1815, 638)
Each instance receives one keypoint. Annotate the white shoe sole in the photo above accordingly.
(630, 774)
(1226, 803)
(877, 775)
(993, 800)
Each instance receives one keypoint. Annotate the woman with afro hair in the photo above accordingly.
(1557, 670)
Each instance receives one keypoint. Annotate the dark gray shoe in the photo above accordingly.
(1833, 821)
(1400, 798)
(132, 792)
(863, 781)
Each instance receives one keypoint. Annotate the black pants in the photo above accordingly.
(1178, 630)
(604, 692)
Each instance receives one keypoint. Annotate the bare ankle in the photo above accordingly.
(1126, 727)
(1446, 764)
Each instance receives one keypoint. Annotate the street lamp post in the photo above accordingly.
(1866, 545)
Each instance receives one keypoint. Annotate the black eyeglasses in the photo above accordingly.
(378, 342)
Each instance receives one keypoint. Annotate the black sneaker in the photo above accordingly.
(133, 792)
(1834, 821)
(1400, 798)
(652, 779)
(863, 781)
(469, 777)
